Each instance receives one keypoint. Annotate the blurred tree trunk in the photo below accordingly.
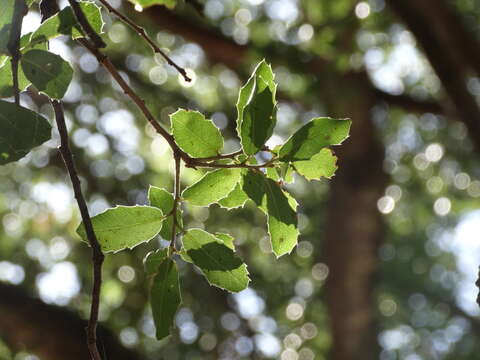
(50, 332)
(354, 226)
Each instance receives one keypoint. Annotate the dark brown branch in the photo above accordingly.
(86, 27)
(441, 54)
(189, 161)
(97, 255)
(13, 45)
(220, 157)
(48, 8)
(141, 31)
(409, 103)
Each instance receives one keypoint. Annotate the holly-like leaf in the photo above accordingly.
(216, 259)
(48, 72)
(212, 187)
(153, 260)
(162, 199)
(165, 297)
(255, 107)
(235, 199)
(124, 227)
(279, 208)
(65, 23)
(146, 3)
(20, 131)
(323, 164)
(313, 137)
(6, 79)
(195, 135)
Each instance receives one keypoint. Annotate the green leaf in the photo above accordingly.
(153, 260)
(195, 135)
(323, 164)
(6, 79)
(212, 187)
(146, 3)
(255, 107)
(48, 72)
(20, 131)
(227, 240)
(162, 199)
(313, 137)
(165, 297)
(216, 259)
(279, 207)
(124, 227)
(65, 23)
(235, 199)
(5, 23)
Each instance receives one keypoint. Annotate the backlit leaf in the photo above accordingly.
(48, 72)
(323, 164)
(124, 227)
(313, 137)
(165, 297)
(20, 131)
(256, 109)
(216, 259)
(196, 135)
(163, 200)
(212, 187)
(279, 208)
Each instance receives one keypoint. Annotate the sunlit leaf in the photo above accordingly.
(65, 23)
(20, 131)
(323, 164)
(146, 3)
(165, 297)
(48, 72)
(196, 135)
(256, 109)
(216, 259)
(124, 227)
(6, 79)
(236, 198)
(153, 260)
(163, 200)
(313, 137)
(212, 187)
(279, 208)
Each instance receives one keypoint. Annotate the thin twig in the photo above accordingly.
(86, 27)
(221, 156)
(189, 161)
(194, 163)
(19, 11)
(141, 31)
(176, 201)
(97, 255)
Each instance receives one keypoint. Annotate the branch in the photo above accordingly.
(48, 8)
(97, 255)
(409, 103)
(141, 31)
(441, 54)
(177, 152)
(86, 27)
(13, 45)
